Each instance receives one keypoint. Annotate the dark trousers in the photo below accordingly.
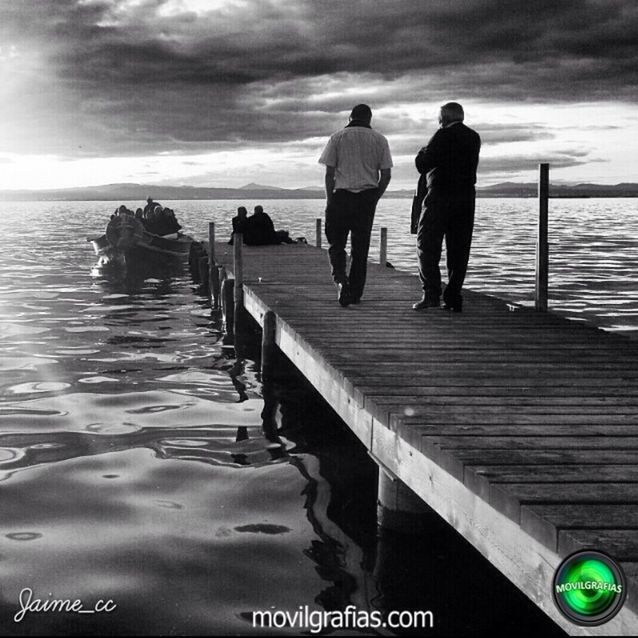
(351, 213)
(452, 218)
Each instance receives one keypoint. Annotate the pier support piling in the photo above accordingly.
(213, 273)
(268, 347)
(203, 272)
(318, 232)
(238, 270)
(383, 246)
(542, 248)
(398, 507)
(228, 305)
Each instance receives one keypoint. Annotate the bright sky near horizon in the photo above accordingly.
(226, 92)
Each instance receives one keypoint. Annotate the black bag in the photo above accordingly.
(417, 203)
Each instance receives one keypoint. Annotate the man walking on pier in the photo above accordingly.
(358, 166)
(449, 161)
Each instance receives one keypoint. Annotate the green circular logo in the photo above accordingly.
(589, 588)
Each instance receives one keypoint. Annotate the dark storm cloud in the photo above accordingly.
(129, 78)
(523, 163)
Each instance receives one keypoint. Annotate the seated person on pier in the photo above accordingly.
(239, 222)
(259, 229)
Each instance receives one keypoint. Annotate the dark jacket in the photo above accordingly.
(259, 230)
(450, 160)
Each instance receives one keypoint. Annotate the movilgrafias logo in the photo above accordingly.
(589, 588)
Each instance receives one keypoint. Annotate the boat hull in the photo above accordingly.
(146, 246)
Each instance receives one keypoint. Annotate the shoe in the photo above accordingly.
(344, 296)
(356, 300)
(454, 306)
(426, 302)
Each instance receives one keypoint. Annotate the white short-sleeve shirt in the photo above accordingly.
(357, 154)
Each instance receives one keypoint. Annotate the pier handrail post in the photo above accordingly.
(213, 273)
(318, 232)
(383, 246)
(542, 248)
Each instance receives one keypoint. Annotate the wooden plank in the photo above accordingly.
(620, 544)
(510, 497)
(545, 521)
(480, 478)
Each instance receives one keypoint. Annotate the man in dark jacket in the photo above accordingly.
(259, 229)
(449, 162)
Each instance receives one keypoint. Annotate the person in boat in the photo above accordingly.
(239, 222)
(170, 221)
(161, 221)
(150, 206)
(259, 229)
(123, 228)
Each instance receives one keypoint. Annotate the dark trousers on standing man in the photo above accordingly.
(452, 218)
(350, 213)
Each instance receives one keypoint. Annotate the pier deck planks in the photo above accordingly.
(519, 428)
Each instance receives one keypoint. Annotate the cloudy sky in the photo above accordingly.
(225, 92)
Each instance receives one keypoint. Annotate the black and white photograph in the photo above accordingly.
(318, 317)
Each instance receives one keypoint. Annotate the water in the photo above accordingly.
(133, 465)
(593, 248)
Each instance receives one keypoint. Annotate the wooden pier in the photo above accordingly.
(520, 428)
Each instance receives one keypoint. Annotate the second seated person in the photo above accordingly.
(259, 230)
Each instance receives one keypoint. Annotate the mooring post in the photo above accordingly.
(542, 247)
(398, 507)
(238, 270)
(203, 272)
(318, 232)
(213, 273)
(268, 352)
(383, 246)
(228, 305)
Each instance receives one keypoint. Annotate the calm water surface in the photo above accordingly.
(133, 464)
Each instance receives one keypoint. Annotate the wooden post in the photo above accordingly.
(542, 248)
(238, 269)
(398, 507)
(238, 289)
(214, 286)
(383, 246)
(268, 345)
(318, 232)
(211, 242)
(213, 273)
(203, 272)
(228, 306)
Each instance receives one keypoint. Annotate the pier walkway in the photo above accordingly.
(519, 428)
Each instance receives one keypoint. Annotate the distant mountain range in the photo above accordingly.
(139, 192)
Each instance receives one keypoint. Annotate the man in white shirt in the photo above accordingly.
(358, 170)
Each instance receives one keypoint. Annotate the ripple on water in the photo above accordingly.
(81, 329)
(91, 380)
(23, 536)
(112, 428)
(14, 330)
(39, 386)
(8, 455)
(262, 528)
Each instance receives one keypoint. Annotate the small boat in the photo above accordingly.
(126, 241)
